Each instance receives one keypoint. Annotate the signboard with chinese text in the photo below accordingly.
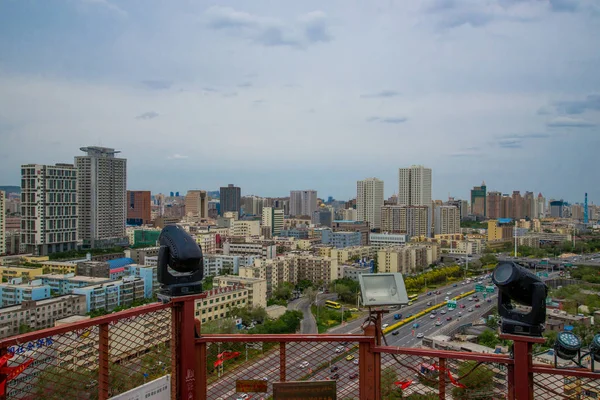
(325, 390)
(158, 389)
(251, 386)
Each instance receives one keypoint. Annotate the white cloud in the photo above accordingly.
(177, 157)
(107, 5)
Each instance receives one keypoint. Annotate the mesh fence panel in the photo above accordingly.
(550, 386)
(416, 377)
(304, 361)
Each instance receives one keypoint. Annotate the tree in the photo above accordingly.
(226, 325)
(24, 328)
(58, 384)
(311, 294)
(479, 382)
(207, 283)
(488, 259)
(388, 387)
(488, 339)
(304, 284)
(283, 291)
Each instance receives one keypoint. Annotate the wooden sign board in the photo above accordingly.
(251, 386)
(316, 390)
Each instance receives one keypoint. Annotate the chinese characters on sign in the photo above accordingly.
(38, 344)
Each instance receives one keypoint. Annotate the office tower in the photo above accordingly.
(414, 186)
(541, 206)
(48, 208)
(303, 202)
(494, 205)
(529, 205)
(557, 208)
(323, 216)
(230, 199)
(273, 218)
(2, 222)
(506, 206)
(101, 192)
(517, 205)
(196, 203)
(139, 207)
(252, 205)
(447, 220)
(478, 200)
(369, 199)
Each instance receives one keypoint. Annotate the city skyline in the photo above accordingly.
(191, 94)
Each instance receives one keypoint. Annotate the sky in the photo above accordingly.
(276, 95)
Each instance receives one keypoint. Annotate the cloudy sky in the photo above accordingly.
(280, 95)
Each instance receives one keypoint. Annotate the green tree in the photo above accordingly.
(304, 284)
(224, 325)
(488, 259)
(207, 283)
(488, 339)
(311, 294)
(388, 387)
(479, 383)
(283, 291)
(24, 328)
(60, 384)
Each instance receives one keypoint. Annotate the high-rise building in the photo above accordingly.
(303, 202)
(2, 222)
(541, 206)
(101, 193)
(369, 199)
(407, 220)
(494, 205)
(517, 205)
(139, 207)
(252, 205)
(557, 208)
(529, 206)
(230, 199)
(196, 203)
(478, 200)
(447, 220)
(273, 218)
(48, 208)
(414, 186)
(323, 216)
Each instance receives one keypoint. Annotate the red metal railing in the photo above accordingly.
(105, 356)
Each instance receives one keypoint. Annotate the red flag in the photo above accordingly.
(403, 384)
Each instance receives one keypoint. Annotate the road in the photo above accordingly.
(316, 354)
(308, 325)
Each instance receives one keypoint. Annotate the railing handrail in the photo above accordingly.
(293, 337)
(450, 354)
(105, 319)
(580, 373)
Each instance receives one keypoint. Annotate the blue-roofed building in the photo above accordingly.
(148, 274)
(504, 220)
(120, 262)
(65, 283)
(108, 296)
(16, 292)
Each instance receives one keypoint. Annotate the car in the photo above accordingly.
(397, 316)
(432, 316)
(443, 312)
(355, 362)
(409, 315)
(477, 305)
(434, 312)
(455, 285)
(476, 300)
(304, 364)
(333, 369)
(340, 349)
(429, 303)
(334, 377)
(349, 357)
(420, 335)
(385, 326)
(470, 309)
(448, 318)
(475, 296)
(447, 298)
(449, 293)
(415, 325)
(489, 300)
(353, 310)
(353, 376)
(470, 298)
(438, 323)
(396, 333)
(460, 313)
(462, 306)
(243, 396)
(428, 293)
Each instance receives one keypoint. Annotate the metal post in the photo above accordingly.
(368, 363)
(442, 379)
(183, 309)
(522, 380)
(282, 357)
(103, 383)
(201, 386)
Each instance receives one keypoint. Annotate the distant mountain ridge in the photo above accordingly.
(11, 189)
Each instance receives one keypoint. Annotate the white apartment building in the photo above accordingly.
(349, 214)
(369, 199)
(446, 220)
(219, 264)
(101, 194)
(348, 253)
(257, 288)
(407, 259)
(219, 302)
(414, 186)
(247, 228)
(381, 240)
(273, 218)
(249, 249)
(409, 220)
(207, 241)
(303, 202)
(274, 271)
(2, 222)
(48, 208)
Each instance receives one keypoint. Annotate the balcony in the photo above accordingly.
(109, 355)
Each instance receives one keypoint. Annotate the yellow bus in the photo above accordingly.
(412, 298)
(333, 304)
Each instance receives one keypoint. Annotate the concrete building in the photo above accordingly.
(294, 233)
(2, 223)
(479, 200)
(65, 283)
(352, 271)
(48, 208)
(541, 206)
(381, 240)
(318, 270)
(407, 259)
(499, 230)
(557, 208)
(196, 203)
(252, 205)
(207, 241)
(354, 226)
(341, 240)
(219, 264)
(349, 214)
(108, 296)
(16, 292)
(414, 186)
(39, 314)
(447, 220)
(303, 202)
(245, 228)
(257, 288)
(139, 207)
(230, 199)
(101, 193)
(347, 254)
(369, 199)
(219, 302)
(323, 216)
(494, 205)
(274, 271)
(409, 220)
(249, 249)
(273, 218)
(139, 255)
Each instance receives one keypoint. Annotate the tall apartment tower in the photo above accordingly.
(196, 203)
(494, 205)
(2, 222)
(230, 199)
(541, 206)
(303, 202)
(447, 220)
(414, 186)
(369, 200)
(101, 192)
(478, 200)
(139, 207)
(48, 208)
(273, 218)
